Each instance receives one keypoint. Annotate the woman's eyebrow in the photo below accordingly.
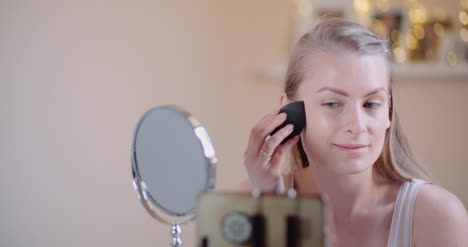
(341, 92)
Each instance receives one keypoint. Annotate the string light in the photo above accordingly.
(439, 29)
(418, 15)
(411, 42)
(464, 3)
(463, 17)
(405, 45)
(399, 54)
(362, 8)
(418, 31)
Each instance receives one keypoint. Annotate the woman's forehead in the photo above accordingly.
(350, 73)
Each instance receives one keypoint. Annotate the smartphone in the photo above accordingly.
(234, 219)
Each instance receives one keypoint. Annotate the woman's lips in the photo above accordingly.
(351, 147)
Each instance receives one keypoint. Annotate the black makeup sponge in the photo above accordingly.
(295, 115)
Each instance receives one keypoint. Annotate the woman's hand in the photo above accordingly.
(265, 155)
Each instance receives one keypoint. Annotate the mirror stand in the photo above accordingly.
(176, 231)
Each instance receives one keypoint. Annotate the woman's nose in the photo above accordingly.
(355, 121)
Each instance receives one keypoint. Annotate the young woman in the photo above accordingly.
(352, 149)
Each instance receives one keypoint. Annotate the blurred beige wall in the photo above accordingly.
(75, 76)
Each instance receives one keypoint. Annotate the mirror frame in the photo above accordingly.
(149, 203)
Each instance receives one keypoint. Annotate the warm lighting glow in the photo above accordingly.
(440, 14)
(418, 15)
(464, 3)
(362, 6)
(418, 31)
(383, 5)
(395, 35)
(451, 58)
(379, 27)
(439, 29)
(464, 34)
(399, 54)
(463, 17)
(411, 42)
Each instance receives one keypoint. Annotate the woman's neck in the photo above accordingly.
(347, 195)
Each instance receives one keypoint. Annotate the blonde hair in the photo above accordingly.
(397, 162)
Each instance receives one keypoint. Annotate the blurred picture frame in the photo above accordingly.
(420, 49)
(428, 49)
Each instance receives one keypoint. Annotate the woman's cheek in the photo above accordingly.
(317, 134)
(319, 123)
(379, 125)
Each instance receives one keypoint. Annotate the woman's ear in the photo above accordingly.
(284, 100)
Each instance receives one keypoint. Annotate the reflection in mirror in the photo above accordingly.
(173, 161)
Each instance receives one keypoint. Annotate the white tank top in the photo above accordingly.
(401, 230)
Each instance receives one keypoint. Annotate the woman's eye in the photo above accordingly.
(331, 105)
(371, 105)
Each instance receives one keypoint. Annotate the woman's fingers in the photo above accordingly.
(261, 130)
(280, 155)
(270, 144)
(264, 155)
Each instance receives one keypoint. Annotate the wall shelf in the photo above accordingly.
(421, 71)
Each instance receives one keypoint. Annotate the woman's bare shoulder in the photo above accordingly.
(440, 219)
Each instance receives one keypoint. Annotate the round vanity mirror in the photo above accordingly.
(173, 161)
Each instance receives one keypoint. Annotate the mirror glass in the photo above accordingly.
(173, 162)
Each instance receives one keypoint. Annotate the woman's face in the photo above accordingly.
(346, 99)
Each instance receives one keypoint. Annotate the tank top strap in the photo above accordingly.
(401, 229)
